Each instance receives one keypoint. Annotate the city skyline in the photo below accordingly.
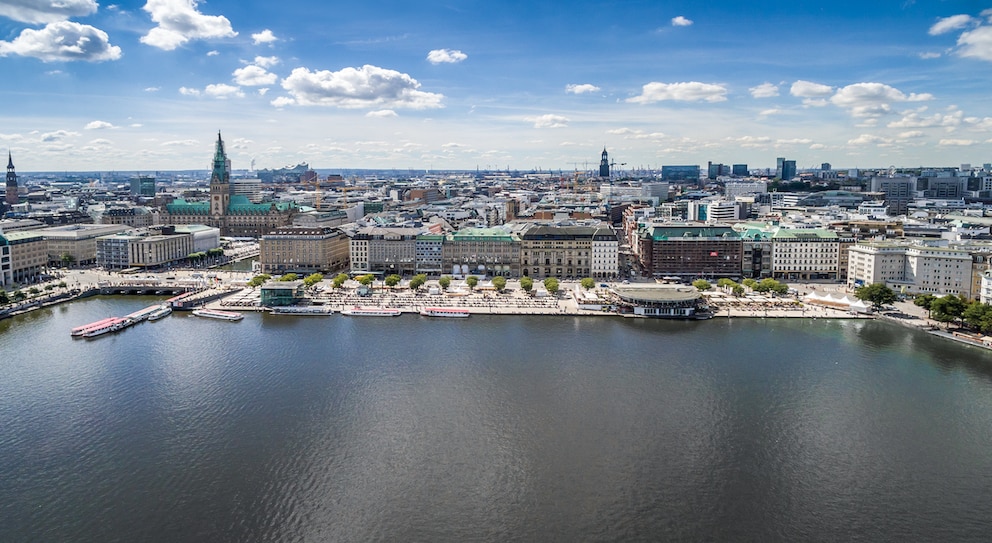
(145, 86)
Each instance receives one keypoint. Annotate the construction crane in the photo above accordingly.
(316, 185)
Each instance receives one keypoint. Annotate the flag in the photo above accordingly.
(714, 253)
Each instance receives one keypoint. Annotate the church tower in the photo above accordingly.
(604, 165)
(220, 177)
(11, 195)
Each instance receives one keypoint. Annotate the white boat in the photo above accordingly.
(302, 310)
(218, 314)
(359, 311)
(80, 331)
(111, 326)
(450, 312)
(163, 310)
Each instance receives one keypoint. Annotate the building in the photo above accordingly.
(986, 293)
(143, 185)
(739, 170)
(689, 251)
(384, 250)
(733, 189)
(75, 243)
(281, 293)
(911, 268)
(564, 251)
(715, 211)
(134, 217)
(898, 192)
(233, 214)
(604, 165)
(481, 251)
(28, 255)
(250, 188)
(680, 173)
(6, 271)
(805, 254)
(10, 196)
(304, 250)
(788, 170)
(662, 302)
(143, 250)
(756, 253)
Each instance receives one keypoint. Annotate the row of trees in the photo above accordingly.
(19, 295)
(956, 309)
(764, 286)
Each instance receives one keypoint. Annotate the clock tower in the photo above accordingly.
(220, 177)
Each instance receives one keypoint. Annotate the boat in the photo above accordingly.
(451, 312)
(162, 311)
(218, 314)
(79, 331)
(359, 311)
(143, 314)
(115, 324)
(302, 310)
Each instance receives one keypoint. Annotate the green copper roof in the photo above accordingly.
(664, 233)
(804, 233)
(179, 206)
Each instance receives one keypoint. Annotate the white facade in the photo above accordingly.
(986, 293)
(359, 255)
(733, 189)
(605, 256)
(805, 254)
(914, 268)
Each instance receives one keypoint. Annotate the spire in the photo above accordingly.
(10, 161)
(221, 171)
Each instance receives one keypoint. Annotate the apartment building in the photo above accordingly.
(304, 250)
(805, 254)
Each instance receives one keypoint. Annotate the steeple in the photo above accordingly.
(220, 188)
(11, 194)
(604, 165)
(221, 166)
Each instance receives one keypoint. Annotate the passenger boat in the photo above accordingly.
(218, 314)
(113, 325)
(359, 311)
(143, 314)
(162, 311)
(451, 312)
(302, 310)
(79, 331)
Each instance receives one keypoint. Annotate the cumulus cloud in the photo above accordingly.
(187, 91)
(869, 139)
(253, 76)
(681, 21)
(956, 143)
(581, 88)
(266, 62)
(381, 114)
(794, 141)
(976, 43)
(223, 91)
(770, 112)
(365, 87)
(752, 141)
(37, 12)
(98, 125)
(152, 89)
(265, 36)
(549, 121)
(916, 119)
(813, 94)
(446, 56)
(910, 134)
(872, 99)
(929, 55)
(948, 24)
(62, 42)
(179, 22)
(57, 136)
(692, 91)
(182, 143)
(764, 90)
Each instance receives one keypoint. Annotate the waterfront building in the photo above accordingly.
(481, 251)
(384, 250)
(10, 196)
(564, 251)
(146, 250)
(805, 254)
(690, 250)
(75, 243)
(429, 249)
(303, 250)
(661, 301)
(756, 253)
(986, 292)
(910, 268)
(6, 270)
(281, 293)
(232, 213)
(28, 255)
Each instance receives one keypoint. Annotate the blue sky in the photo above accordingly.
(145, 85)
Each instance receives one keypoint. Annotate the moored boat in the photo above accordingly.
(302, 310)
(79, 331)
(218, 314)
(115, 324)
(450, 312)
(162, 311)
(359, 311)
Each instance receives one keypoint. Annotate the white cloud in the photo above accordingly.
(179, 21)
(813, 94)
(549, 121)
(449, 56)
(265, 36)
(956, 143)
(980, 123)
(752, 141)
(929, 55)
(182, 143)
(213, 53)
(365, 87)
(36, 11)
(57, 136)
(101, 142)
(770, 112)
(947, 24)
(910, 134)
(98, 125)
(794, 141)
(681, 21)
(764, 90)
(253, 76)
(283, 101)
(692, 91)
(868, 139)
(152, 89)
(872, 99)
(817, 146)
(381, 114)
(915, 119)
(266, 62)
(223, 91)
(976, 43)
(186, 91)
(262, 91)
(61, 42)
(581, 88)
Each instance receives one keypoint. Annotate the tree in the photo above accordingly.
(418, 281)
(526, 283)
(738, 290)
(876, 293)
(18, 295)
(34, 291)
(289, 277)
(392, 280)
(702, 284)
(551, 285)
(472, 281)
(4, 299)
(977, 313)
(49, 286)
(312, 279)
(723, 282)
(771, 285)
(947, 309)
(339, 280)
(215, 252)
(924, 301)
(444, 282)
(588, 283)
(366, 279)
(259, 280)
(67, 259)
(499, 282)
(749, 283)
(61, 284)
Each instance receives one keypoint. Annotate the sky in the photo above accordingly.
(467, 84)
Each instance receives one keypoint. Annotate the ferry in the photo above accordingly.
(302, 310)
(359, 311)
(143, 314)
(79, 331)
(113, 325)
(451, 312)
(218, 314)
(162, 311)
